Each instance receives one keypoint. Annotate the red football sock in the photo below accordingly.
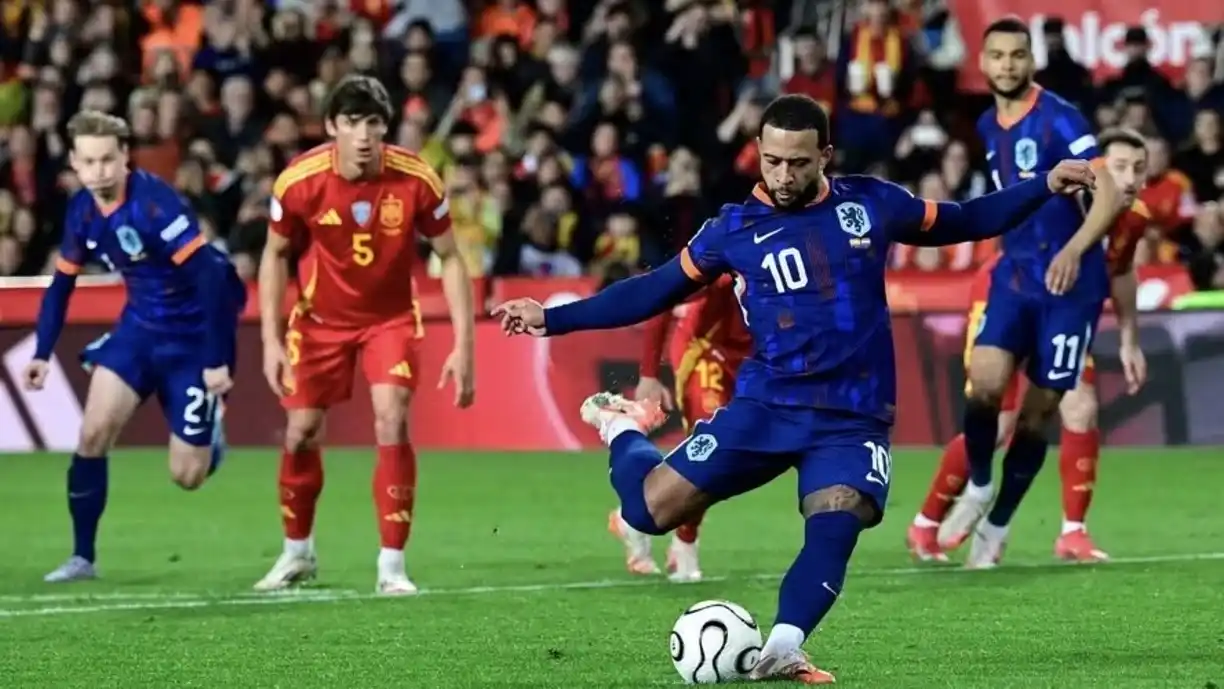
(301, 482)
(395, 479)
(1077, 465)
(949, 480)
(687, 533)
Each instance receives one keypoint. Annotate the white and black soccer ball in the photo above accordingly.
(715, 641)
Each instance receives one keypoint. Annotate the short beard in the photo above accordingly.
(805, 197)
(1014, 93)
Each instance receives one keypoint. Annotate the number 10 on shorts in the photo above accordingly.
(881, 463)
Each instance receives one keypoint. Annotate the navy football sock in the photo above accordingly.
(632, 457)
(87, 485)
(1023, 461)
(981, 436)
(814, 581)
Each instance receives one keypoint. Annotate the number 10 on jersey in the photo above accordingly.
(787, 269)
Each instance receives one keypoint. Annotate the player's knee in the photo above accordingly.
(1079, 410)
(1035, 414)
(840, 498)
(301, 434)
(97, 437)
(391, 425)
(987, 388)
(189, 477)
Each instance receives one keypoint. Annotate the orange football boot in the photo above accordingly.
(1077, 546)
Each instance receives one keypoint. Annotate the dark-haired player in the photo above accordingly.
(818, 394)
(1125, 158)
(1046, 291)
(707, 347)
(351, 210)
(175, 336)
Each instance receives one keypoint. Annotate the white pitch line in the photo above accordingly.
(183, 600)
(163, 595)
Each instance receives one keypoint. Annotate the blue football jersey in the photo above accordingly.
(145, 237)
(811, 286)
(1049, 130)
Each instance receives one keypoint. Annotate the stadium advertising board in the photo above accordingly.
(529, 391)
(1095, 30)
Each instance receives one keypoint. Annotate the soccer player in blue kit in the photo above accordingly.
(1047, 290)
(818, 394)
(175, 337)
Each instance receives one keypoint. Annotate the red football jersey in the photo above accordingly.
(357, 238)
(715, 315)
(1124, 237)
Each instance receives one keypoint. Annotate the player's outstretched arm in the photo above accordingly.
(626, 302)
(920, 222)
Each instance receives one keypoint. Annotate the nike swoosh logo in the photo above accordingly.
(758, 238)
(1058, 375)
(192, 430)
(78, 496)
(828, 588)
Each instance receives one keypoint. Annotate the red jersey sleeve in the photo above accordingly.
(433, 211)
(286, 216)
(652, 345)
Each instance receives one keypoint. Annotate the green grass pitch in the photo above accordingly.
(523, 587)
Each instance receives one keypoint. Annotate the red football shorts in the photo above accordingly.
(323, 360)
(1011, 395)
(705, 378)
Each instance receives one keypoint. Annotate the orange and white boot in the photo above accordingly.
(1076, 545)
(923, 543)
(612, 414)
(794, 667)
(638, 558)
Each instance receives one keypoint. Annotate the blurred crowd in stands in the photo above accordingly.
(574, 136)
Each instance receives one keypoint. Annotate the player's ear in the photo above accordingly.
(329, 125)
(826, 157)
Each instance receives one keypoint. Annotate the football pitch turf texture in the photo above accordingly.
(522, 586)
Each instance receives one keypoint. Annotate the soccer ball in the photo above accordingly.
(715, 641)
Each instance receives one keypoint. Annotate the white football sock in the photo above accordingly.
(784, 640)
(300, 547)
(1071, 527)
(390, 561)
(993, 532)
(617, 426)
(979, 493)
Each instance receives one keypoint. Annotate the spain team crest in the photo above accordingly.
(391, 215)
(361, 212)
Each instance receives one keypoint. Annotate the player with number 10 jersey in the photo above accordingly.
(818, 394)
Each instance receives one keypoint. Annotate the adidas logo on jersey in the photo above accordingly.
(331, 217)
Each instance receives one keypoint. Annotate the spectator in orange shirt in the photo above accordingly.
(507, 18)
(177, 27)
(1170, 198)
